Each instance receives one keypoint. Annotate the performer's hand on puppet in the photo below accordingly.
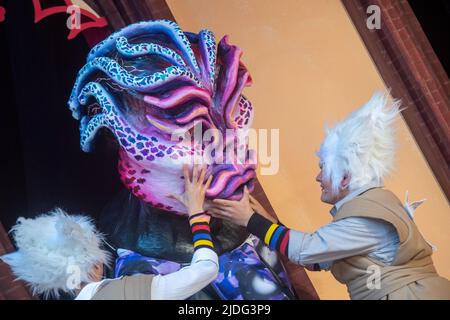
(195, 189)
(239, 212)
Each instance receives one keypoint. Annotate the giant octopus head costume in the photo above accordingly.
(144, 83)
(150, 80)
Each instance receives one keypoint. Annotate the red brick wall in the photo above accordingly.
(408, 65)
(10, 289)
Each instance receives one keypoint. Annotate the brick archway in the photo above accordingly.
(409, 66)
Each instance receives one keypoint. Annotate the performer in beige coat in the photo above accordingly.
(372, 244)
(58, 253)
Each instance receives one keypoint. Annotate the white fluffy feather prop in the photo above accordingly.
(363, 144)
(51, 248)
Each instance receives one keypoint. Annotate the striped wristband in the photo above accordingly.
(274, 235)
(200, 231)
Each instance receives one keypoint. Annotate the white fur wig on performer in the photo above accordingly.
(51, 248)
(362, 148)
(59, 253)
(362, 145)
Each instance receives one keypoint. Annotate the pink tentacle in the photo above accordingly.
(194, 113)
(243, 78)
(180, 96)
(230, 56)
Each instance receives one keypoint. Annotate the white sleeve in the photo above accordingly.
(337, 240)
(189, 280)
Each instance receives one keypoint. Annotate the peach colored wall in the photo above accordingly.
(310, 67)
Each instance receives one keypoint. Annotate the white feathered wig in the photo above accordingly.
(51, 248)
(362, 145)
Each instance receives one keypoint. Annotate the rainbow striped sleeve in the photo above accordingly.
(200, 231)
(274, 235)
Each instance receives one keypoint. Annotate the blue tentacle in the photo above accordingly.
(138, 50)
(209, 52)
(167, 27)
(140, 83)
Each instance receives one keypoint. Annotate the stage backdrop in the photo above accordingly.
(309, 67)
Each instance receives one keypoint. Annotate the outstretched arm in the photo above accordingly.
(191, 279)
(334, 241)
(204, 265)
